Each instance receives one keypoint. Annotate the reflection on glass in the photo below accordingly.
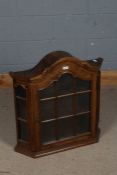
(23, 131)
(65, 84)
(64, 106)
(82, 85)
(47, 92)
(21, 108)
(48, 132)
(20, 91)
(65, 128)
(83, 102)
(82, 124)
(47, 109)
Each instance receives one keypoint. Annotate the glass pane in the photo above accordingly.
(82, 85)
(83, 102)
(20, 91)
(21, 108)
(47, 92)
(48, 132)
(23, 131)
(65, 128)
(82, 124)
(65, 84)
(64, 106)
(47, 109)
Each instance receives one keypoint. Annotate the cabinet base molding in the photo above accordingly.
(25, 149)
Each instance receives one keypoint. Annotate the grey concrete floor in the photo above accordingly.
(95, 159)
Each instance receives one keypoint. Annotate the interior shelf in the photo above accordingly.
(21, 98)
(62, 117)
(65, 95)
(21, 119)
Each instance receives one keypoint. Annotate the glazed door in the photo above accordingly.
(64, 110)
(21, 113)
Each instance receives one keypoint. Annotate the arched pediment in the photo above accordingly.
(68, 65)
(56, 63)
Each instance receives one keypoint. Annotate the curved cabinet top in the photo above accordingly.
(57, 63)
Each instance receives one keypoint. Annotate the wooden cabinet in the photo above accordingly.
(57, 104)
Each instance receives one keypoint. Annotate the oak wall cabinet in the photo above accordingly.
(57, 104)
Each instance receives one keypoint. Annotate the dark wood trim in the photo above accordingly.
(94, 105)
